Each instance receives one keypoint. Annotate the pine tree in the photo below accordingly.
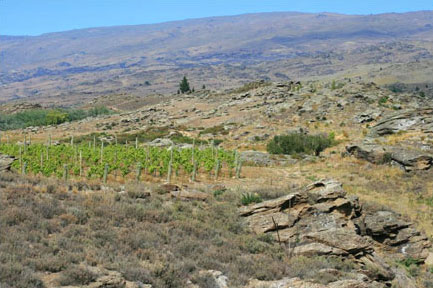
(184, 85)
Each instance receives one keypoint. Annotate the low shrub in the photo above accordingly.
(270, 193)
(15, 275)
(215, 130)
(383, 100)
(386, 159)
(296, 143)
(249, 198)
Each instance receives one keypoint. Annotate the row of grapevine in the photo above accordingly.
(94, 162)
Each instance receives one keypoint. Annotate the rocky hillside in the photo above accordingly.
(368, 225)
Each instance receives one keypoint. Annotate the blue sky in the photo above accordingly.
(33, 17)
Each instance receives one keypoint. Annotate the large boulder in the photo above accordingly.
(413, 120)
(409, 159)
(6, 163)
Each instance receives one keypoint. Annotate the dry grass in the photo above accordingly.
(52, 227)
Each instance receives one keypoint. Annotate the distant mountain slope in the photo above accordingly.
(34, 66)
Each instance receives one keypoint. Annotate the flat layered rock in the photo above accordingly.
(6, 162)
(406, 157)
(342, 239)
(413, 120)
(368, 116)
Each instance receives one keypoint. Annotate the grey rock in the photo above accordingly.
(264, 159)
(6, 163)
(161, 142)
(408, 159)
(418, 120)
(368, 116)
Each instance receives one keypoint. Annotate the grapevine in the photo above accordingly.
(90, 160)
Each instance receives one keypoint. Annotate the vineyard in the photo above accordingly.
(94, 161)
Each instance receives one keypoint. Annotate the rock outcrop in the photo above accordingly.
(408, 158)
(411, 152)
(368, 116)
(298, 283)
(413, 120)
(6, 163)
(322, 220)
(265, 159)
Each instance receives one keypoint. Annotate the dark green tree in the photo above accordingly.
(184, 86)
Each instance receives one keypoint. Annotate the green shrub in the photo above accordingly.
(335, 85)
(387, 158)
(396, 88)
(249, 198)
(43, 117)
(296, 143)
(218, 192)
(55, 117)
(383, 100)
(409, 262)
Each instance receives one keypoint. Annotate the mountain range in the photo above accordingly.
(70, 67)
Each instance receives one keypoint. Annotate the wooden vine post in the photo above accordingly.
(102, 151)
(105, 173)
(42, 159)
(24, 172)
(239, 168)
(21, 160)
(170, 164)
(194, 171)
(138, 173)
(66, 172)
(217, 168)
(81, 164)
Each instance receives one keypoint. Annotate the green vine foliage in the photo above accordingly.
(50, 161)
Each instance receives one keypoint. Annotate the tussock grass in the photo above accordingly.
(50, 227)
